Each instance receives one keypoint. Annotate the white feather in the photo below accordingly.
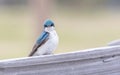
(50, 45)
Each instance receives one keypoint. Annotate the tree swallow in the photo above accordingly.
(47, 41)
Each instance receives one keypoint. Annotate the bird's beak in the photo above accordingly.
(50, 28)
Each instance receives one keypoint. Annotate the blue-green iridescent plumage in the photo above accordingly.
(42, 37)
(48, 23)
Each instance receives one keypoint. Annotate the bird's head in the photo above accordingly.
(49, 25)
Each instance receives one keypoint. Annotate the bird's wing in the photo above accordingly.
(41, 40)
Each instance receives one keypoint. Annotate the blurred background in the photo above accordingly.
(81, 24)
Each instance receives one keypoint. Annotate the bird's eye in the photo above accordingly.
(52, 24)
(45, 25)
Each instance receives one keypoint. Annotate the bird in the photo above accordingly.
(47, 42)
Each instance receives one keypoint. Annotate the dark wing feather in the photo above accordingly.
(41, 40)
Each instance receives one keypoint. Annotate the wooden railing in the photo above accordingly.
(96, 61)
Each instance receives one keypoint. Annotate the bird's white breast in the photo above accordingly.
(50, 45)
